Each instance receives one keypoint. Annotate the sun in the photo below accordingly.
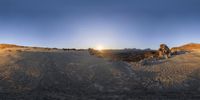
(99, 47)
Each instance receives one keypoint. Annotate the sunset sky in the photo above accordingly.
(90, 23)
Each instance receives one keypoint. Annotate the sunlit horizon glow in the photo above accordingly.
(116, 24)
(99, 47)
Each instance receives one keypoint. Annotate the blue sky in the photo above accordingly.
(110, 23)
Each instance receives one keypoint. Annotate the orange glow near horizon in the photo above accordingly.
(99, 47)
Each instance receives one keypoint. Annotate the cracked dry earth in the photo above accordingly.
(40, 74)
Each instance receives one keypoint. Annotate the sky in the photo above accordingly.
(113, 24)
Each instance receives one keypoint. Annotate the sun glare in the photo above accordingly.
(99, 47)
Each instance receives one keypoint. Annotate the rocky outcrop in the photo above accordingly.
(164, 51)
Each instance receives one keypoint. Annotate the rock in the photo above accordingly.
(164, 51)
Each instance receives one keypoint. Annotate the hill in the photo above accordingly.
(188, 47)
(191, 46)
(3, 46)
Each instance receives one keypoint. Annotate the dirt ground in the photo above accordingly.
(54, 74)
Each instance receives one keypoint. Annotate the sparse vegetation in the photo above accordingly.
(3, 46)
(129, 55)
(19, 50)
(37, 74)
(69, 49)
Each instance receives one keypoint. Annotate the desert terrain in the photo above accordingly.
(33, 73)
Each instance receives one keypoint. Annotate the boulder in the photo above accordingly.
(164, 51)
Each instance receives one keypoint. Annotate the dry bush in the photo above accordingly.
(19, 50)
(47, 49)
(67, 49)
(55, 48)
(9, 50)
(94, 52)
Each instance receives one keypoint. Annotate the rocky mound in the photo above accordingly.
(186, 48)
(191, 46)
(3, 46)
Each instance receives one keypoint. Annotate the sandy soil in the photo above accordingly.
(44, 74)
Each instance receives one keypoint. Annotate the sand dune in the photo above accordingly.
(53, 74)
